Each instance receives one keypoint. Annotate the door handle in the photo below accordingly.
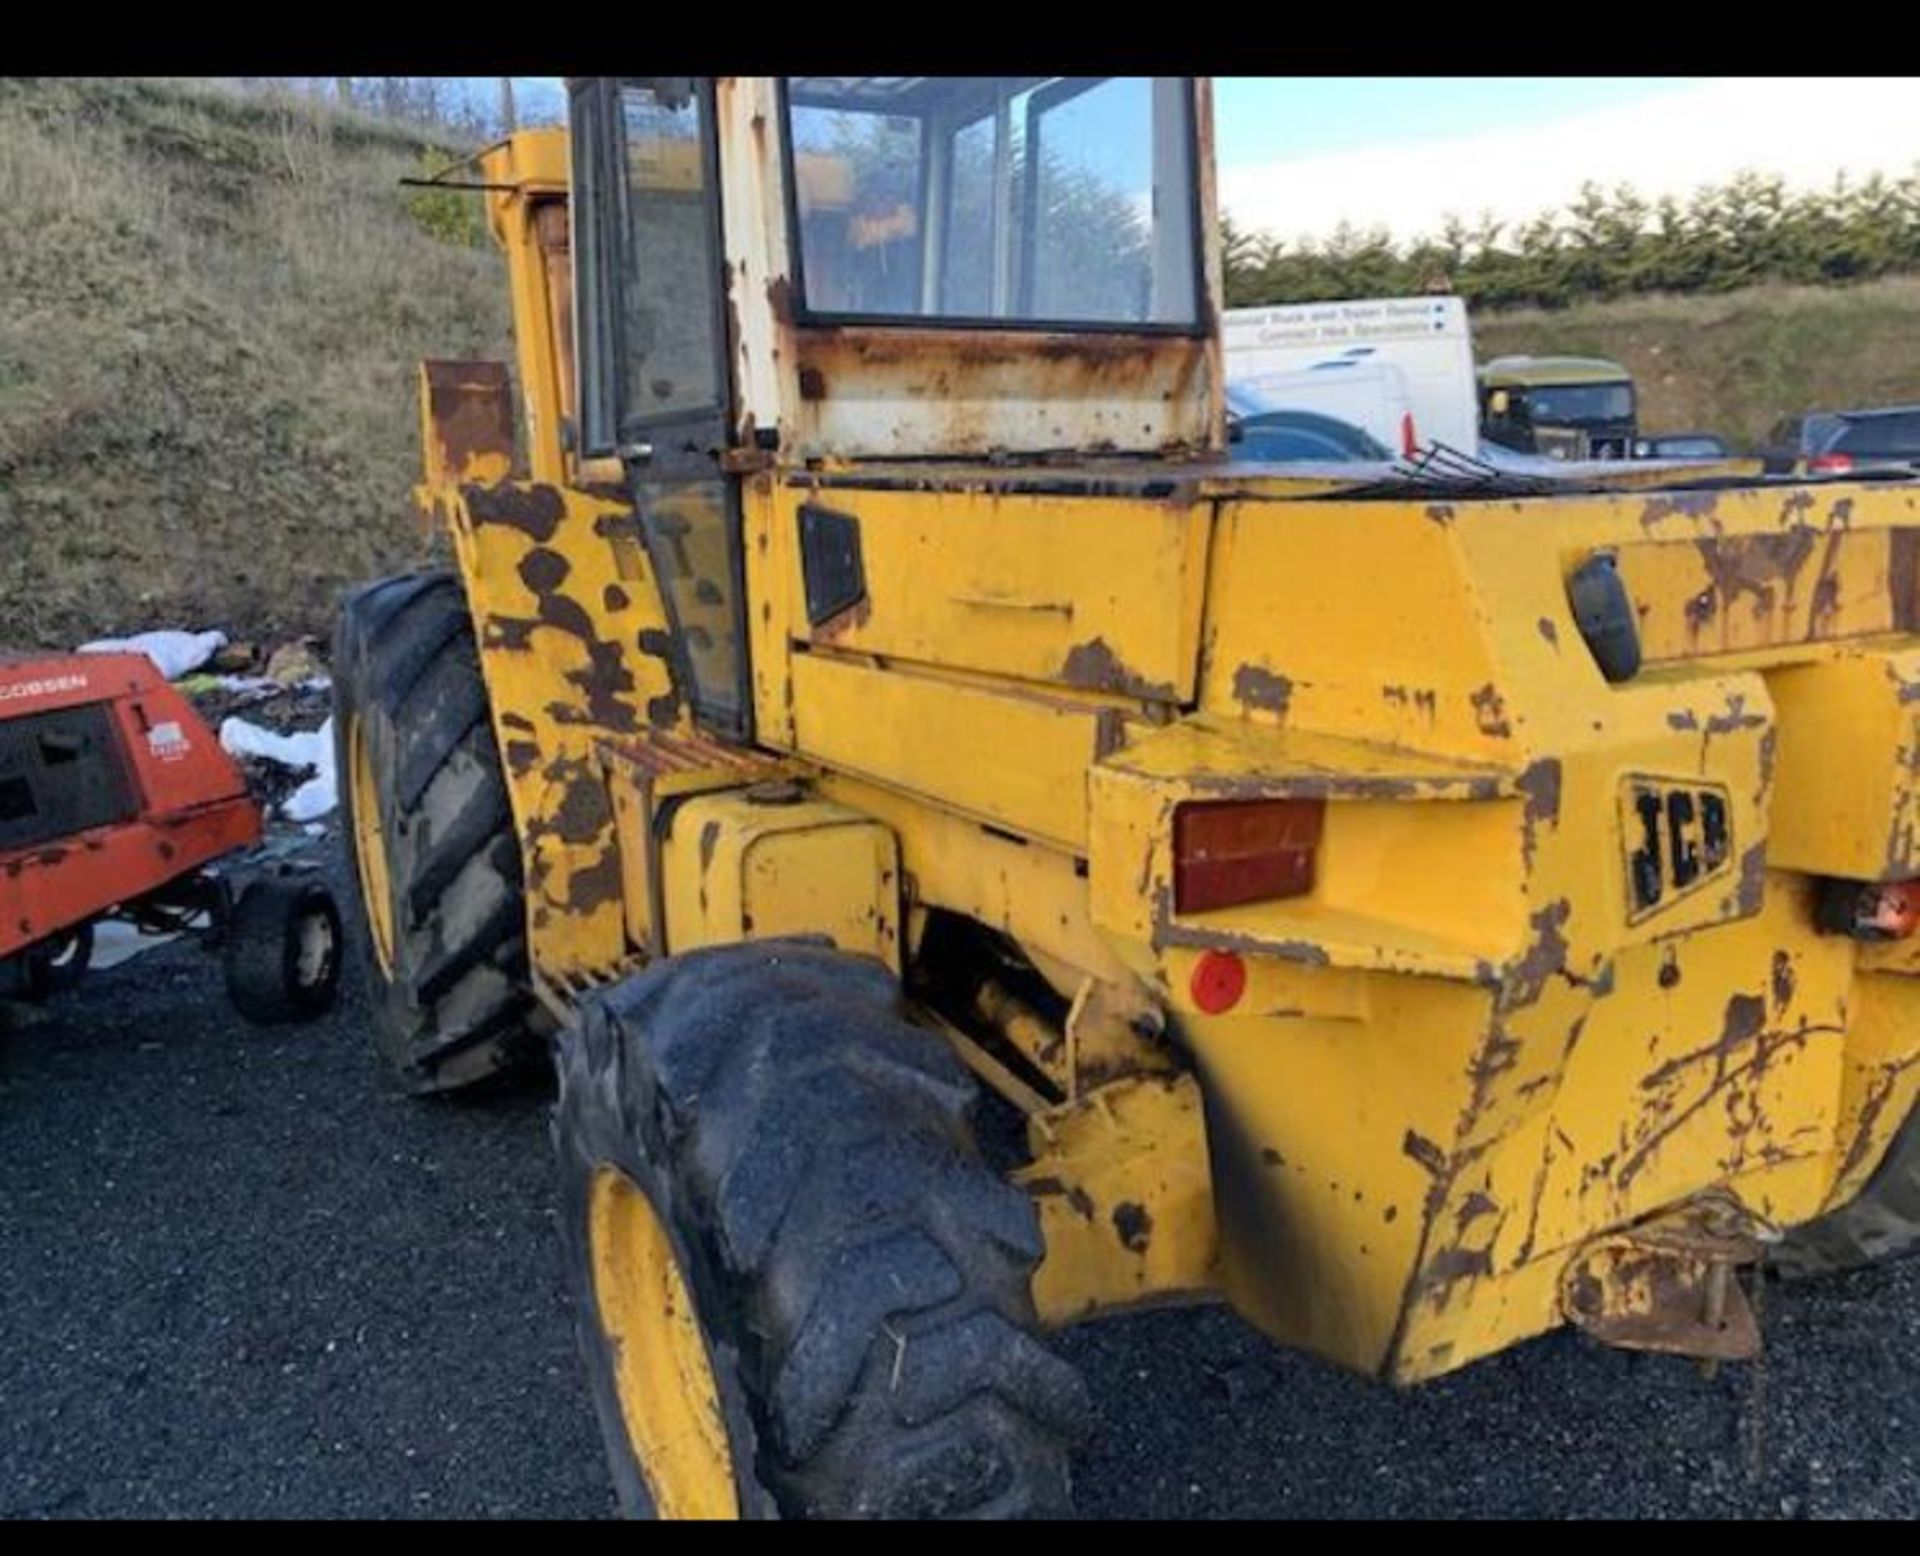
(635, 453)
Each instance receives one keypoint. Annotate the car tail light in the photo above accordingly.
(1228, 852)
(1829, 464)
(1409, 440)
(1869, 910)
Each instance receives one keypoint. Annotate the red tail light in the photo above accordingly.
(1409, 442)
(1829, 464)
(1227, 852)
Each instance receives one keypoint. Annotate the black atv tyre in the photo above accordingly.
(282, 950)
(859, 1277)
(421, 786)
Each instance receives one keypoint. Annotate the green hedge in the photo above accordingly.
(1614, 243)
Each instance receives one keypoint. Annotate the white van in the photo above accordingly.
(1399, 367)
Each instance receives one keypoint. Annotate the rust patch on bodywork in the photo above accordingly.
(1751, 890)
(850, 619)
(780, 299)
(1865, 1130)
(1490, 712)
(1540, 783)
(1783, 981)
(1133, 1225)
(1074, 1194)
(598, 883)
(1255, 686)
(1094, 666)
(1903, 578)
(1735, 1063)
(1424, 1151)
(1124, 391)
(1688, 505)
(1668, 1284)
(1753, 566)
(1454, 1264)
(534, 510)
(1545, 956)
(467, 410)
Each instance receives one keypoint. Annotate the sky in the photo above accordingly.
(1300, 155)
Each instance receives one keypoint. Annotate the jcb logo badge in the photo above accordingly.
(1676, 841)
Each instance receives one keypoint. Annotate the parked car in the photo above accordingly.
(1833, 442)
(1260, 432)
(1682, 445)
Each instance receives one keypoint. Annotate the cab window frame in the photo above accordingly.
(804, 313)
(607, 246)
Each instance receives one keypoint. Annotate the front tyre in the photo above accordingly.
(435, 856)
(800, 1290)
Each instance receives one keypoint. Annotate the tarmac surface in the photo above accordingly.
(241, 1275)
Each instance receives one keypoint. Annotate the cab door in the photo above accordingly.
(655, 376)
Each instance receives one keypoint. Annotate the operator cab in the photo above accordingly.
(811, 271)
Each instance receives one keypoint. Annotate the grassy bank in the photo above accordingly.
(213, 308)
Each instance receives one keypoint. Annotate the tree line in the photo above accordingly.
(1607, 243)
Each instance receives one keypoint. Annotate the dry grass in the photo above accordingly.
(215, 308)
(1735, 363)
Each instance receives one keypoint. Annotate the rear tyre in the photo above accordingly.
(1880, 1222)
(436, 861)
(800, 1291)
(283, 944)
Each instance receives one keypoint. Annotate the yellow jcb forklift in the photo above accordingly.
(1418, 907)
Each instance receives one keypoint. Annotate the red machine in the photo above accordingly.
(117, 801)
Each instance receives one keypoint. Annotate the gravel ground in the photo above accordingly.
(241, 1276)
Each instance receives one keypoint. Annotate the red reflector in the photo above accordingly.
(1219, 979)
(1226, 852)
(1830, 464)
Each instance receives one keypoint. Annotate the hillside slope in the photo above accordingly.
(1735, 362)
(212, 311)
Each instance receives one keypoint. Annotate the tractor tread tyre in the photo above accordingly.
(861, 1276)
(1880, 1222)
(457, 1006)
